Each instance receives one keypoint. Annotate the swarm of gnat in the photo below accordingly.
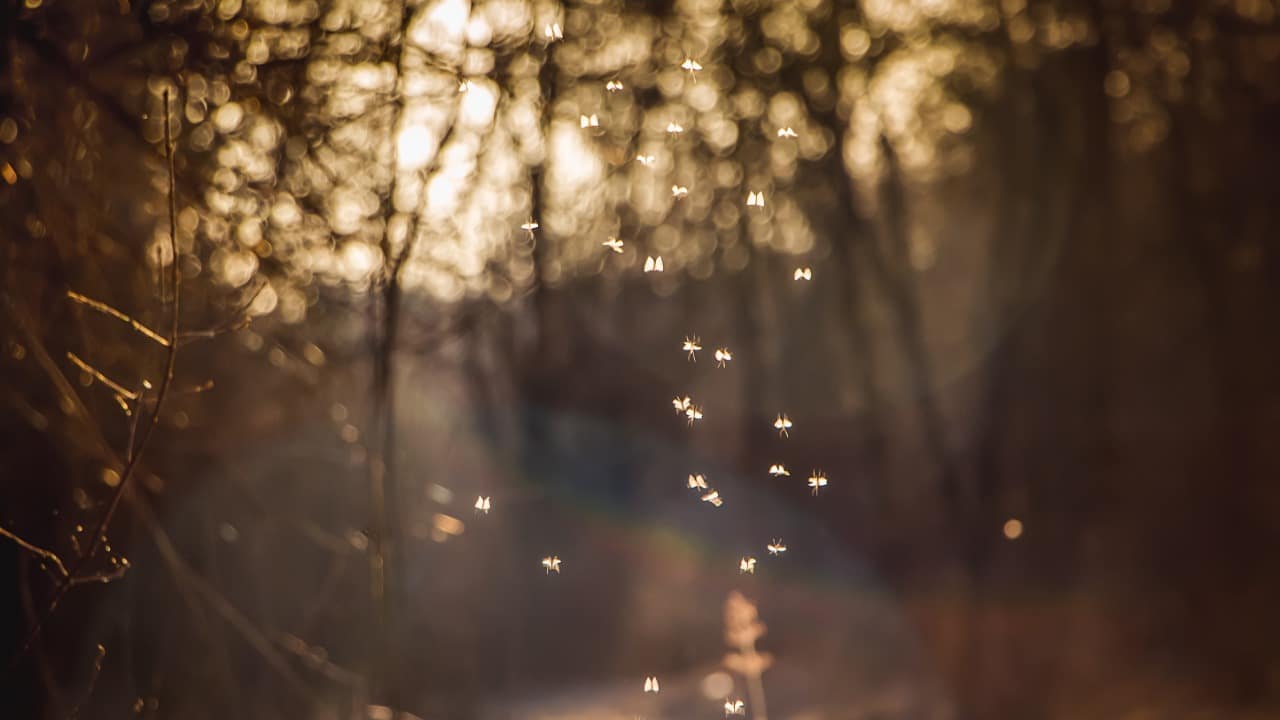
(742, 628)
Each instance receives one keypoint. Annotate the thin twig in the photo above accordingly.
(46, 555)
(240, 320)
(93, 680)
(106, 309)
(101, 377)
(133, 454)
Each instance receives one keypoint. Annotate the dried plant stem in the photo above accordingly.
(133, 453)
(93, 680)
(106, 309)
(46, 555)
(101, 377)
(755, 693)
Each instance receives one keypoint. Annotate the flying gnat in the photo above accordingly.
(747, 565)
(682, 404)
(645, 160)
(553, 32)
(613, 244)
(674, 128)
(776, 547)
(697, 482)
(614, 86)
(787, 132)
(589, 121)
(782, 424)
(734, 707)
(653, 264)
(551, 563)
(691, 65)
(803, 273)
(723, 356)
(530, 226)
(679, 192)
(482, 504)
(779, 470)
(713, 497)
(651, 684)
(755, 199)
(692, 345)
(817, 481)
(693, 414)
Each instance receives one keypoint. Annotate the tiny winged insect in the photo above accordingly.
(723, 356)
(679, 192)
(817, 481)
(787, 132)
(776, 547)
(651, 684)
(779, 470)
(553, 32)
(755, 199)
(692, 345)
(613, 86)
(482, 504)
(613, 244)
(675, 128)
(653, 264)
(589, 121)
(713, 497)
(551, 563)
(693, 413)
(529, 226)
(697, 482)
(747, 565)
(645, 160)
(464, 85)
(803, 273)
(782, 424)
(682, 404)
(734, 707)
(692, 66)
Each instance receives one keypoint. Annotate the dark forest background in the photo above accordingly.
(1037, 358)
